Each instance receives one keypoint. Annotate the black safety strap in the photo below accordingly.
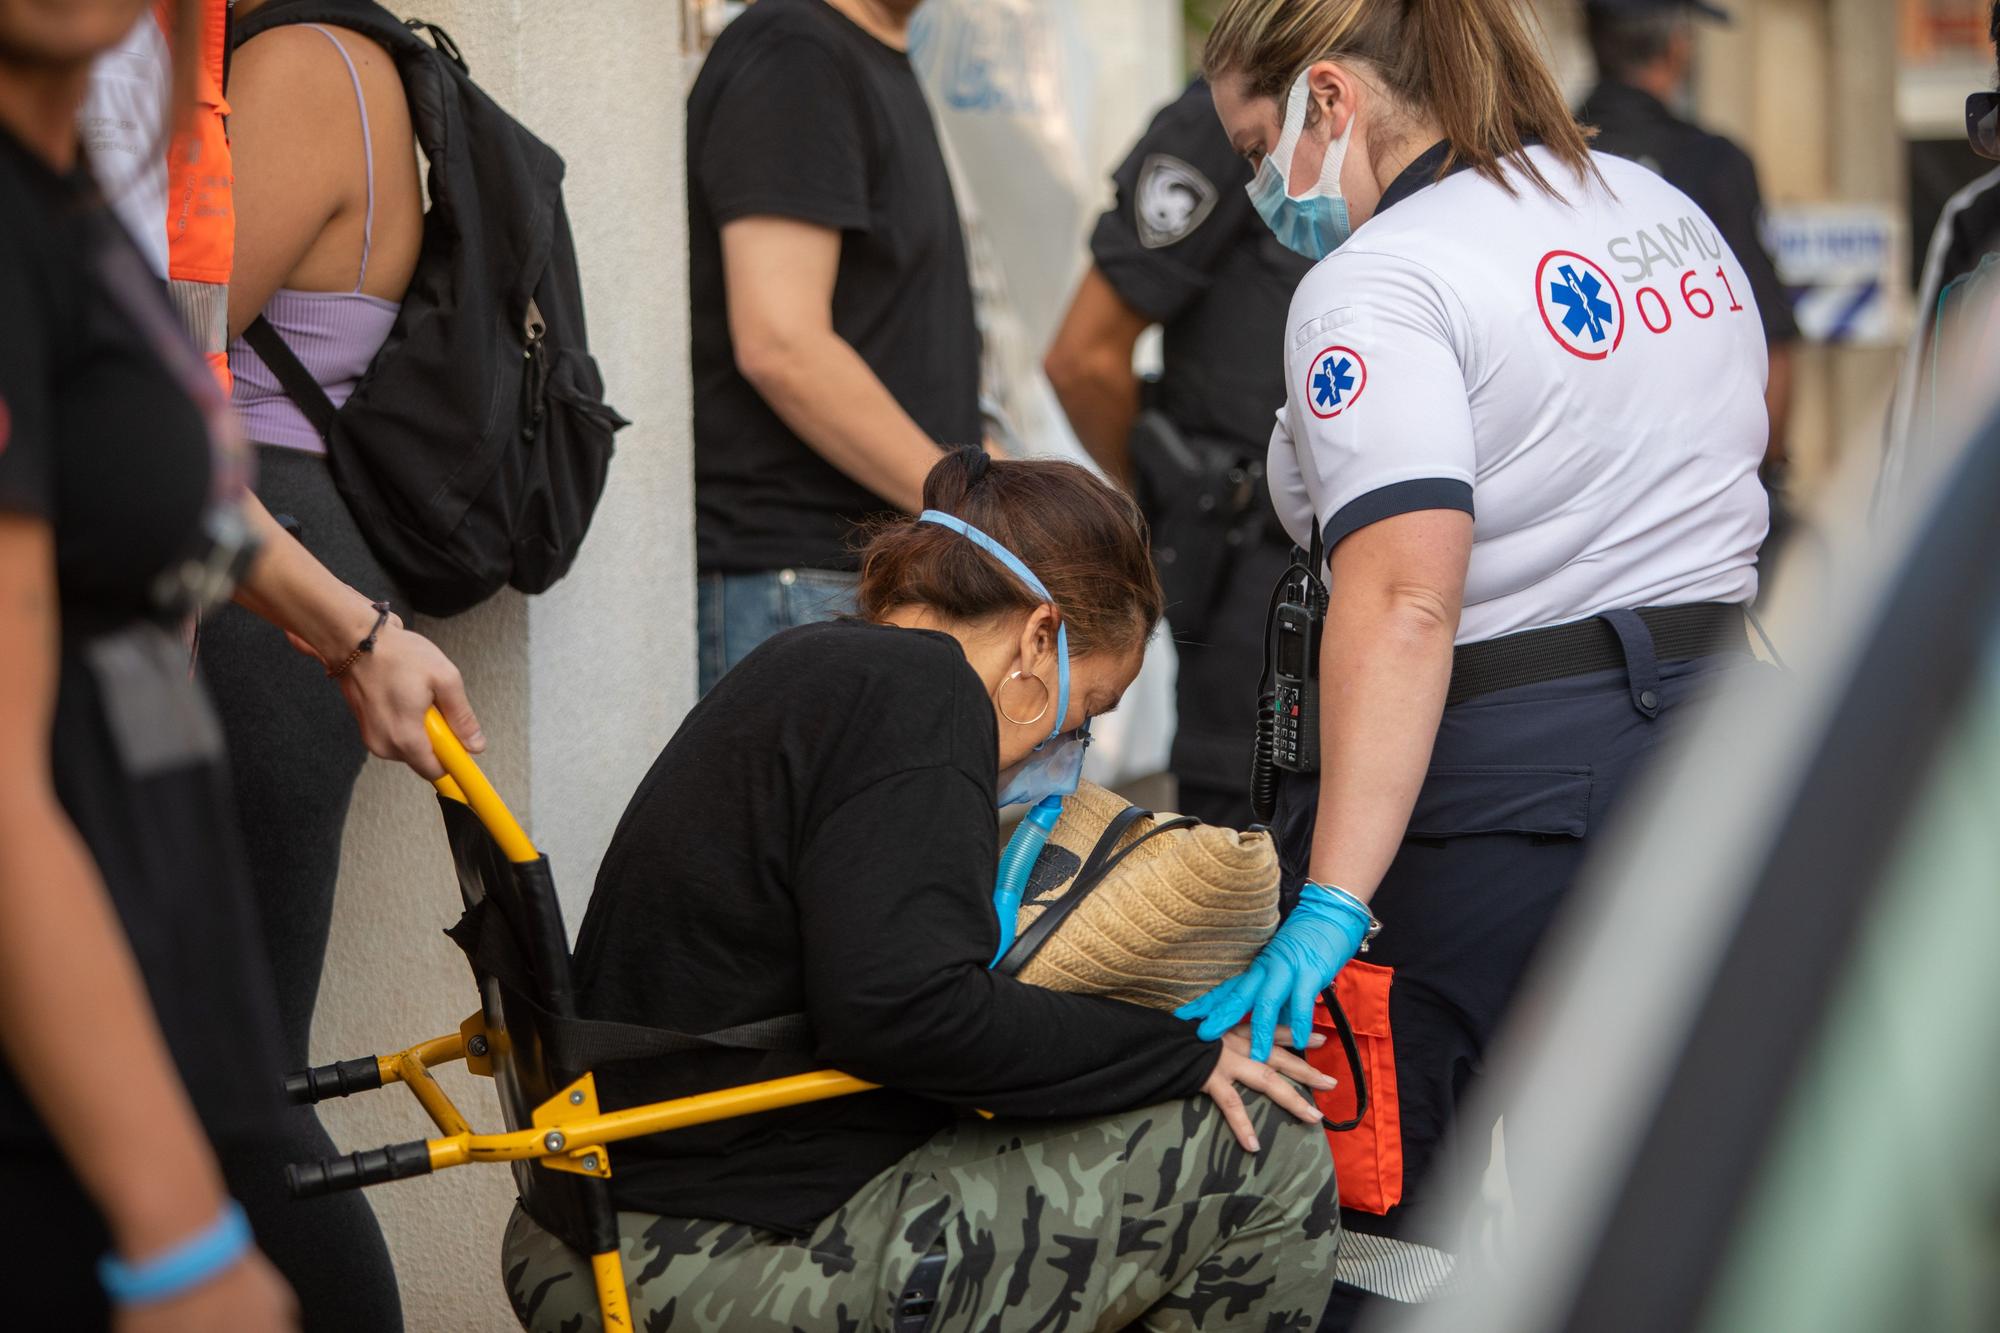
(1103, 859)
(297, 382)
(584, 1043)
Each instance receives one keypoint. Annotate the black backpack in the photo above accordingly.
(474, 449)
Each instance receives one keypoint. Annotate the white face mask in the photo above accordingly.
(1315, 223)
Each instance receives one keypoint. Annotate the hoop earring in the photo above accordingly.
(1023, 721)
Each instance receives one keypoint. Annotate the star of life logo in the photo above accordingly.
(1580, 304)
(1334, 380)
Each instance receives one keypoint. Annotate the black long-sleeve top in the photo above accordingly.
(819, 837)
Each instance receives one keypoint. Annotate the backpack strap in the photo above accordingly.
(442, 41)
(580, 1044)
(362, 16)
(298, 382)
(1103, 859)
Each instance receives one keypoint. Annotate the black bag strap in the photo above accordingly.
(584, 1043)
(297, 382)
(1345, 1031)
(1094, 867)
(1103, 859)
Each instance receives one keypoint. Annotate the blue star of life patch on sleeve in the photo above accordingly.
(1334, 381)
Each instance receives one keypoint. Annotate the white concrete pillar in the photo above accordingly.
(577, 689)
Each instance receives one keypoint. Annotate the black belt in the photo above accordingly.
(1536, 655)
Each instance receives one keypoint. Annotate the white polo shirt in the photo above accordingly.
(1586, 378)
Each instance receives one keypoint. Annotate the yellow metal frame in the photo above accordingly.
(570, 1132)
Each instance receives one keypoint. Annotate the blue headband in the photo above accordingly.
(1019, 569)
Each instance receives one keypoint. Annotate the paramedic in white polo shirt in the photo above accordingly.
(1525, 414)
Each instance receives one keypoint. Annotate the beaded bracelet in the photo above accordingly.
(367, 645)
(207, 1254)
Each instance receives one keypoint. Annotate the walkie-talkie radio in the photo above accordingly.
(1288, 699)
(1295, 630)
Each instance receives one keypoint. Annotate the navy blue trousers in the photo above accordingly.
(1521, 781)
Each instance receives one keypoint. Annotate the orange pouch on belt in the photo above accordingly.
(1368, 1159)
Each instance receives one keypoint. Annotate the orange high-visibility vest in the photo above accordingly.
(201, 202)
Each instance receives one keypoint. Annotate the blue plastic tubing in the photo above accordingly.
(1023, 849)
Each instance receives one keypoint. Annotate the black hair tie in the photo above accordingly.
(976, 463)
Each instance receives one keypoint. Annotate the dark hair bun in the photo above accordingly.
(953, 477)
(1083, 538)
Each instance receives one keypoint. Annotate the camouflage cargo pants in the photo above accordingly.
(1154, 1219)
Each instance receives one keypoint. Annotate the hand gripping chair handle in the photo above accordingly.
(464, 782)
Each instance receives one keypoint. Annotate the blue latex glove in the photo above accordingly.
(1319, 938)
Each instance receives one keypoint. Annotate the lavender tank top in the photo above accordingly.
(334, 334)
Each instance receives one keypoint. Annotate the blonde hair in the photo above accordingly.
(1472, 65)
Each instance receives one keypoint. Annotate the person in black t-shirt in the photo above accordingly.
(1182, 247)
(819, 838)
(833, 338)
(1645, 52)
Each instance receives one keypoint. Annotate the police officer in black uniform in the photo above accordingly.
(1644, 51)
(1183, 248)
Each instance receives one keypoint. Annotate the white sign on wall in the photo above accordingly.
(1842, 265)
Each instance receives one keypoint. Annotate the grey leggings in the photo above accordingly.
(294, 754)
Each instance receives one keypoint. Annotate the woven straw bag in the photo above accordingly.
(1154, 910)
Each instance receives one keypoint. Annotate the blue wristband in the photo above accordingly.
(205, 1255)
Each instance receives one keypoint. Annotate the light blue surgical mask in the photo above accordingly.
(1313, 224)
(1054, 769)
(1056, 765)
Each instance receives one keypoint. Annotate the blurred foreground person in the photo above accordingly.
(833, 335)
(1469, 704)
(1644, 50)
(1182, 247)
(296, 745)
(134, 1005)
(1953, 352)
(818, 839)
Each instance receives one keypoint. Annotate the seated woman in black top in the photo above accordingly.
(820, 837)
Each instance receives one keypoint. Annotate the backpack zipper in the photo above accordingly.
(534, 374)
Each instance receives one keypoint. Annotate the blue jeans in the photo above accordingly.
(739, 611)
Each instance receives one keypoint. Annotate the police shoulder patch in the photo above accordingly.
(1172, 200)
